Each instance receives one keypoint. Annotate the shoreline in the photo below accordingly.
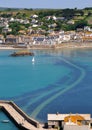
(45, 47)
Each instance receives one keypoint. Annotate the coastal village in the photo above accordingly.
(34, 36)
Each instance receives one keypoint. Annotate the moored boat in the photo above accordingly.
(5, 121)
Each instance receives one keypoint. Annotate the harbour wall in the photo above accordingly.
(25, 116)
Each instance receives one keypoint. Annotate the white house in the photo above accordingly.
(11, 19)
(34, 16)
(54, 17)
(34, 25)
(6, 29)
(87, 28)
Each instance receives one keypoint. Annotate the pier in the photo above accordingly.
(21, 119)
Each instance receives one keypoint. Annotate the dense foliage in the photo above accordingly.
(66, 19)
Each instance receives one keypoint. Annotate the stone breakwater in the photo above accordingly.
(19, 117)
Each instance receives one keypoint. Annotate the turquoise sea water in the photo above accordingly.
(58, 81)
(6, 126)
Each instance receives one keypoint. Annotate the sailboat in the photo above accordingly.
(33, 60)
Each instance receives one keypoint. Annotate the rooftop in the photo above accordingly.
(58, 116)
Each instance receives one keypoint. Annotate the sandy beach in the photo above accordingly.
(57, 46)
(6, 48)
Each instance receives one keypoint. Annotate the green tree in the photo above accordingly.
(16, 26)
(27, 25)
(68, 13)
(80, 24)
(1, 29)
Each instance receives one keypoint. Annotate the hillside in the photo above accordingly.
(67, 13)
(47, 19)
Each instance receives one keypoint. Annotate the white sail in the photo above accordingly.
(33, 60)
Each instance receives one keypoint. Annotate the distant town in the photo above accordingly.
(52, 28)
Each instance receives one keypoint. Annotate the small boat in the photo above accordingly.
(33, 60)
(5, 121)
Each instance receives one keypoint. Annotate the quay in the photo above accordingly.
(55, 121)
(22, 120)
